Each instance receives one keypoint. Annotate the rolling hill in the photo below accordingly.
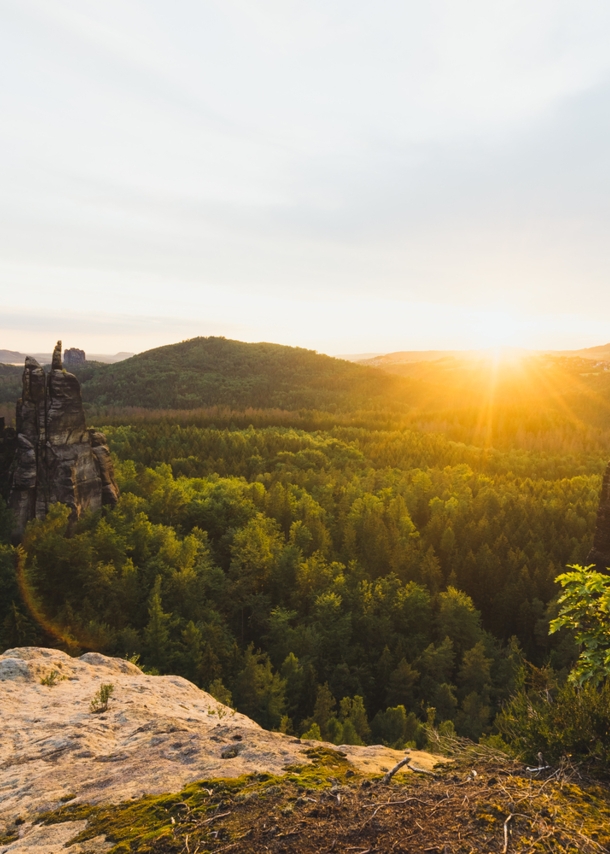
(218, 371)
(459, 394)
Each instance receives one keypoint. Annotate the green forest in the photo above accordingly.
(345, 557)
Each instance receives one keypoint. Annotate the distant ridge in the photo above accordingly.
(14, 357)
(10, 357)
(404, 356)
(357, 357)
(601, 353)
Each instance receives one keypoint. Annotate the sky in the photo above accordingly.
(353, 177)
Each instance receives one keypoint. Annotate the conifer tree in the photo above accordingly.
(259, 692)
(156, 634)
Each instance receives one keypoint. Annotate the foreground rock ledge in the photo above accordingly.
(159, 734)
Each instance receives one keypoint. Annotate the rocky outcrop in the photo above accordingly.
(8, 446)
(56, 458)
(158, 734)
(600, 553)
(73, 357)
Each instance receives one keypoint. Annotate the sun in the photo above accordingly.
(506, 356)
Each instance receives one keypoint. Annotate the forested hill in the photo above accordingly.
(534, 402)
(218, 371)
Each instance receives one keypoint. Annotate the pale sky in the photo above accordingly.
(343, 175)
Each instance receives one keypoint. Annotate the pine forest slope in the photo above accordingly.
(526, 402)
(218, 371)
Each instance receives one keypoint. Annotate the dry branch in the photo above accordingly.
(396, 768)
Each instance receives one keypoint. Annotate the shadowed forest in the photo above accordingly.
(334, 550)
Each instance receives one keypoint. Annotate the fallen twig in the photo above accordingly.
(591, 842)
(396, 768)
(213, 818)
(448, 798)
(505, 849)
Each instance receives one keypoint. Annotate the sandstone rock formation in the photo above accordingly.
(600, 553)
(158, 734)
(56, 457)
(8, 445)
(74, 357)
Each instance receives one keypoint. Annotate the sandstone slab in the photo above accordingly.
(158, 734)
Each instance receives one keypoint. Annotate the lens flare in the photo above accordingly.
(32, 602)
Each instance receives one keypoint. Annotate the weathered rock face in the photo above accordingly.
(600, 553)
(73, 357)
(56, 458)
(8, 446)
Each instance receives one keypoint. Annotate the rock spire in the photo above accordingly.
(73, 357)
(56, 457)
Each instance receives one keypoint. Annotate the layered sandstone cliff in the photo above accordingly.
(56, 458)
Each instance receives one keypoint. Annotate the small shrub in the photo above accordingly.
(570, 721)
(52, 678)
(313, 733)
(99, 703)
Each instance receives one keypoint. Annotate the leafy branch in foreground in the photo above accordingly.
(585, 610)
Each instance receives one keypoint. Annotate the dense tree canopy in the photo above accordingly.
(333, 549)
(354, 580)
